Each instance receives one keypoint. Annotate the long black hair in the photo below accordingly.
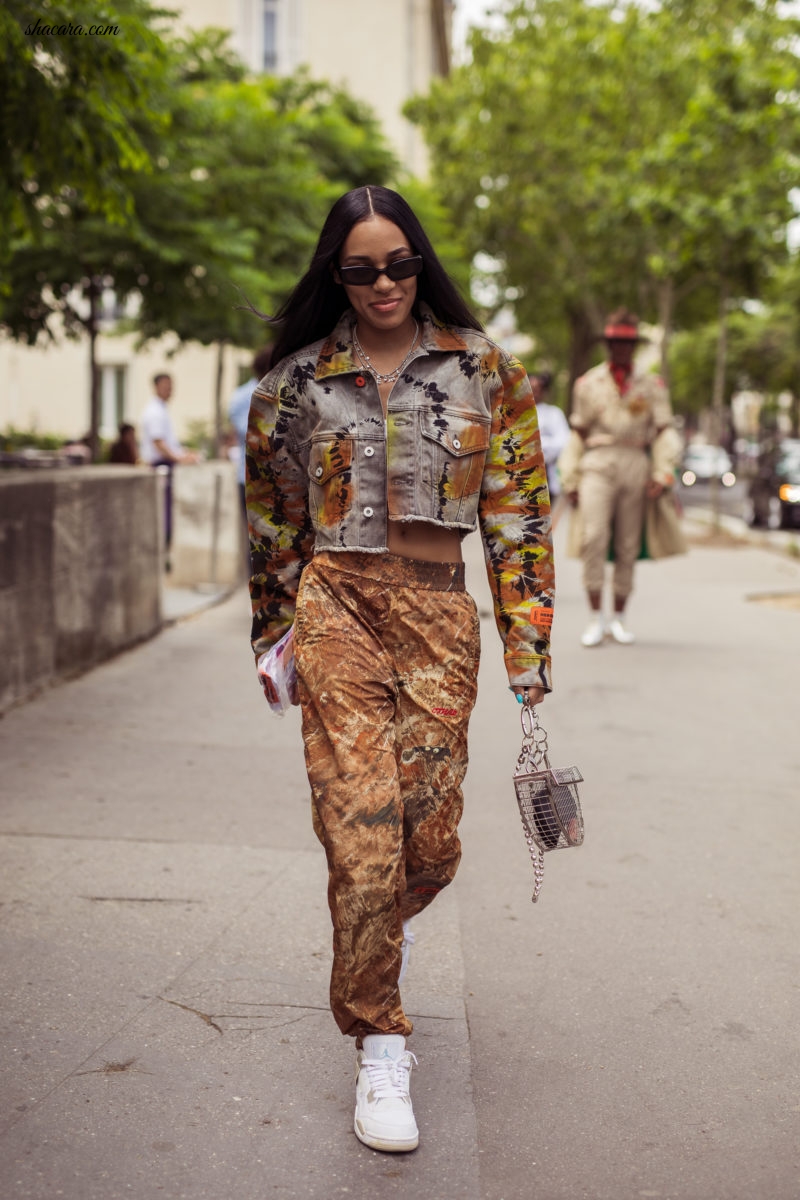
(317, 302)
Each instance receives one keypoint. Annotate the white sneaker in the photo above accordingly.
(384, 1117)
(619, 633)
(408, 942)
(594, 634)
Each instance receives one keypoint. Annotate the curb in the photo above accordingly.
(781, 541)
(178, 604)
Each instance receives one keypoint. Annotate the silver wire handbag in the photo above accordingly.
(547, 796)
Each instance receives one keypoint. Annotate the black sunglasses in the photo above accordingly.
(401, 268)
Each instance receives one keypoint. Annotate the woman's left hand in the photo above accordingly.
(530, 695)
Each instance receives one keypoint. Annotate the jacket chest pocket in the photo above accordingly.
(330, 486)
(453, 456)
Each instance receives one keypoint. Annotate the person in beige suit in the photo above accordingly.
(622, 450)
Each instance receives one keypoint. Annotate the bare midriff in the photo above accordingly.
(420, 539)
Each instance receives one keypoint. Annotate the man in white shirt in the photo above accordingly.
(160, 446)
(159, 442)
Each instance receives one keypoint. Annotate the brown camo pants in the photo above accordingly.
(387, 652)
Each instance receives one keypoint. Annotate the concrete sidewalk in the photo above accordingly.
(166, 937)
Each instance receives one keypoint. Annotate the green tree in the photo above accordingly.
(763, 355)
(521, 139)
(258, 163)
(784, 292)
(66, 109)
(60, 267)
(607, 153)
(239, 176)
(721, 223)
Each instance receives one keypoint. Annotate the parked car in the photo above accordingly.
(774, 495)
(789, 495)
(702, 463)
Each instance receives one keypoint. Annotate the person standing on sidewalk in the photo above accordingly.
(553, 430)
(388, 428)
(622, 452)
(160, 446)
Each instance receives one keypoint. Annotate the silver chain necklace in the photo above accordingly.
(394, 375)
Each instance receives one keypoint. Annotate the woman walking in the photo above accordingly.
(389, 426)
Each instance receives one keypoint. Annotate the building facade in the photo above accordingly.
(382, 51)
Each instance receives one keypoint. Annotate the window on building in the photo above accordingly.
(270, 31)
(112, 399)
(111, 310)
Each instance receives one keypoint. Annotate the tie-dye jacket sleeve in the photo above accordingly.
(281, 533)
(514, 518)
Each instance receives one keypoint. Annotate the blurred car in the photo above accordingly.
(774, 499)
(702, 463)
(789, 495)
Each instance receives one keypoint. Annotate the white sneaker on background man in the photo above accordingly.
(595, 632)
(619, 633)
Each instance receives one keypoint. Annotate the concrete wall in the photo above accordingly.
(208, 536)
(82, 555)
(80, 576)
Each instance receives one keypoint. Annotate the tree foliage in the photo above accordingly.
(213, 197)
(256, 163)
(73, 109)
(607, 153)
(763, 355)
(239, 176)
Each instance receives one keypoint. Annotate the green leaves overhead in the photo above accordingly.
(72, 111)
(609, 153)
(151, 166)
(172, 176)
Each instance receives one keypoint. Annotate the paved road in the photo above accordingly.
(166, 944)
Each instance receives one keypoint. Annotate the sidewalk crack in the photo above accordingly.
(187, 1008)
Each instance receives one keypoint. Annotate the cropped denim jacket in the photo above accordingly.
(459, 445)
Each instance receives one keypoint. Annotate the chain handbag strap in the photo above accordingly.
(548, 799)
(532, 758)
(533, 755)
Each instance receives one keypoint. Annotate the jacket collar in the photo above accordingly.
(338, 357)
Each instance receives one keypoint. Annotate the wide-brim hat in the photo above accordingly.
(622, 331)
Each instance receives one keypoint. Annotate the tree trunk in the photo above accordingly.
(94, 371)
(666, 306)
(582, 343)
(218, 400)
(718, 393)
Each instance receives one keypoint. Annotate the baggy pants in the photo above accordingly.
(611, 496)
(387, 652)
